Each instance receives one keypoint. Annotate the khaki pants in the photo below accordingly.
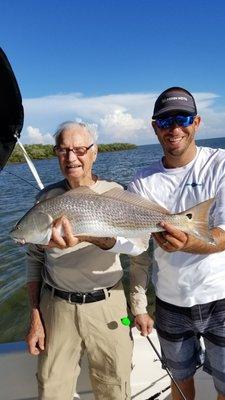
(96, 327)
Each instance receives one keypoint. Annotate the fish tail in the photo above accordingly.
(198, 221)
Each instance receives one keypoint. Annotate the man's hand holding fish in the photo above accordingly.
(69, 239)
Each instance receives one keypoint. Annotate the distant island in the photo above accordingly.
(42, 151)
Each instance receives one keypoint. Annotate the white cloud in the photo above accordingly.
(122, 125)
(115, 117)
(36, 137)
(212, 117)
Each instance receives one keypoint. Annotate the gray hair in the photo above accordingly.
(67, 125)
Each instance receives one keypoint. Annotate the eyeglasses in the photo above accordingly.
(180, 120)
(79, 151)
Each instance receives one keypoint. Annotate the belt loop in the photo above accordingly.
(84, 297)
(52, 292)
(107, 294)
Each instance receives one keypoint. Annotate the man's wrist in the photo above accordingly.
(105, 243)
(35, 310)
(138, 311)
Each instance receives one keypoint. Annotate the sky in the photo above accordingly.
(104, 62)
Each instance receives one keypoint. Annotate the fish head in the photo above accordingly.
(34, 227)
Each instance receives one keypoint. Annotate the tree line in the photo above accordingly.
(42, 151)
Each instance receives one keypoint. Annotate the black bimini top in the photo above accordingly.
(11, 110)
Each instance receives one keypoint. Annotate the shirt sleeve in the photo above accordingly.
(34, 262)
(134, 186)
(139, 268)
(139, 279)
(132, 247)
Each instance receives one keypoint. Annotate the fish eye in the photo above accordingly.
(189, 216)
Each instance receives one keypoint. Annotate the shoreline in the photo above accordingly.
(45, 151)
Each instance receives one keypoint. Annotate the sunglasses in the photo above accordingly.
(79, 151)
(180, 120)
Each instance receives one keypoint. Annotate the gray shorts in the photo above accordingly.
(179, 330)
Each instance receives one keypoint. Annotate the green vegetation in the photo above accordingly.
(14, 317)
(42, 151)
(35, 151)
(115, 147)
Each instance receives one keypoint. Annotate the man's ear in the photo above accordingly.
(154, 126)
(95, 151)
(197, 122)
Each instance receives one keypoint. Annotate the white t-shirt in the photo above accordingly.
(181, 278)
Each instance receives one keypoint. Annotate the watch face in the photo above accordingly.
(11, 110)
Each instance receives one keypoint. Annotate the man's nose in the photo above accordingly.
(174, 128)
(71, 155)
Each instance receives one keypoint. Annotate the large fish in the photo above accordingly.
(113, 213)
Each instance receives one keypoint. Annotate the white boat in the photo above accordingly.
(18, 368)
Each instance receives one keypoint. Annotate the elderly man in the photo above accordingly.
(189, 274)
(82, 300)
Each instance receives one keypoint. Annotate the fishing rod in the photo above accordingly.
(23, 179)
(125, 322)
(31, 166)
(30, 163)
(166, 388)
(155, 396)
(168, 372)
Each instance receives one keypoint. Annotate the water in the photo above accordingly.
(17, 197)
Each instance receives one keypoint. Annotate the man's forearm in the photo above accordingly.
(34, 289)
(105, 243)
(36, 334)
(139, 278)
(198, 246)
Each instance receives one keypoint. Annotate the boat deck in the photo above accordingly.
(17, 374)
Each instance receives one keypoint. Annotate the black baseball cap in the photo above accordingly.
(172, 100)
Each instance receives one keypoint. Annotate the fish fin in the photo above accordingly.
(198, 221)
(134, 199)
(43, 224)
(121, 195)
(141, 242)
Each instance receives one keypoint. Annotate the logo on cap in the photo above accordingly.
(174, 98)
